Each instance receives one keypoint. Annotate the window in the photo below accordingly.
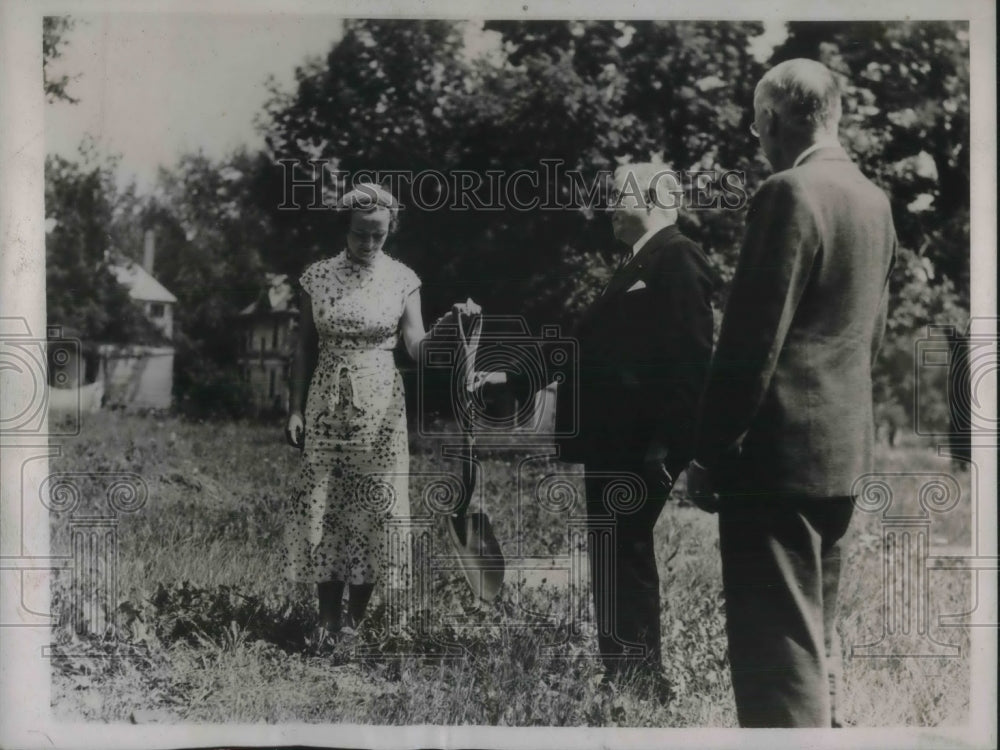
(156, 310)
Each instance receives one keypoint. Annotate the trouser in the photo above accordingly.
(624, 580)
(781, 561)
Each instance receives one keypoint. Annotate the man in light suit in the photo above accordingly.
(644, 349)
(786, 421)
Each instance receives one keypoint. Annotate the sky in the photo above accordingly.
(154, 86)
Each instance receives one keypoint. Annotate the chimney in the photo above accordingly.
(148, 251)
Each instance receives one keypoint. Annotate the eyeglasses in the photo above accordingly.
(615, 197)
(372, 236)
(650, 199)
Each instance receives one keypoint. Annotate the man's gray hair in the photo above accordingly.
(805, 93)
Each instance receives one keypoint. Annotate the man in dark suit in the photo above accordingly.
(644, 348)
(786, 422)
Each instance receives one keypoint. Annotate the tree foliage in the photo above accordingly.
(395, 95)
(82, 211)
(906, 123)
(414, 96)
(209, 242)
(54, 32)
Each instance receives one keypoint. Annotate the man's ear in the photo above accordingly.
(774, 124)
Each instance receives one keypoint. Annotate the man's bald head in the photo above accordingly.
(656, 183)
(645, 196)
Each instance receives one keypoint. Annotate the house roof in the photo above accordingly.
(277, 297)
(140, 283)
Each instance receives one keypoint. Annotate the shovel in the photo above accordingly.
(471, 534)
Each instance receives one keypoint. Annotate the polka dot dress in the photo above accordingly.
(355, 463)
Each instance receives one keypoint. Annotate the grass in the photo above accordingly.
(207, 630)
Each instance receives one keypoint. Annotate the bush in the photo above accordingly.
(206, 390)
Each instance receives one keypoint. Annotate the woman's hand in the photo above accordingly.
(295, 430)
(484, 378)
(466, 308)
(454, 317)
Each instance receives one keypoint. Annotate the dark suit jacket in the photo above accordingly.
(643, 357)
(788, 403)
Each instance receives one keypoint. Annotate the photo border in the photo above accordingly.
(25, 688)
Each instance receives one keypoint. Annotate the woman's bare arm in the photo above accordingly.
(412, 325)
(304, 361)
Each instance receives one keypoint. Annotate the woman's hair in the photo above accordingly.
(366, 197)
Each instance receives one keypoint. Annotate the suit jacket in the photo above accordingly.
(644, 349)
(788, 403)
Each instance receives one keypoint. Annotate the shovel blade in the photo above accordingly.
(479, 554)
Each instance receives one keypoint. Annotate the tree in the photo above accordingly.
(382, 100)
(637, 91)
(906, 123)
(83, 214)
(54, 32)
(404, 95)
(588, 95)
(210, 241)
(81, 291)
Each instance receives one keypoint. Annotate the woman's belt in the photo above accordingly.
(353, 363)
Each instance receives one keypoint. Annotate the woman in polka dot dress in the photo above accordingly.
(351, 420)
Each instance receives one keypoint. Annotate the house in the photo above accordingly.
(141, 375)
(149, 293)
(268, 327)
(88, 375)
